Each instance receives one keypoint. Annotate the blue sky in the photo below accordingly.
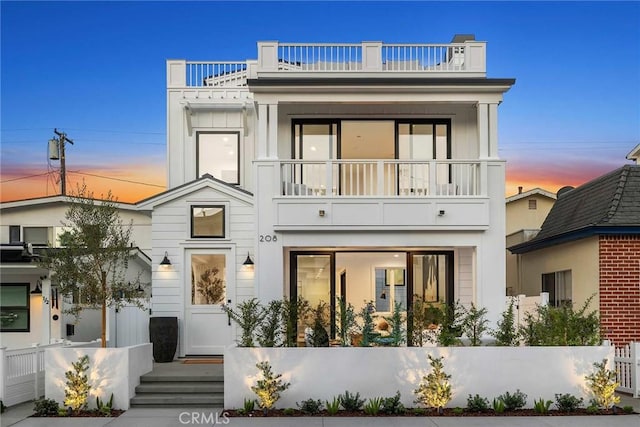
(97, 71)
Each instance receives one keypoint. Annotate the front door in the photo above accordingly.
(209, 283)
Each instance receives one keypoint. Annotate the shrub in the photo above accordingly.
(248, 405)
(333, 406)
(434, 391)
(451, 328)
(421, 316)
(45, 407)
(249, 315)
(351, 402)
(310, 406)
(498, 406)
(568, 403)
(513, 401)
(593, 408)
(104, 408)
(268, 389)
(372, 407)
(319, 336)
(551, 326)
(541, 406)
(392, 405)
(398, 334)
(474, 324)
(293, 311)
(76, 392)
(367, 324)
(627, 409)
(269, 330)
(603, 384)
(507, 333)
(477, 403)
(347, 321)
(419, 411)
(289, 411)
(458, 411)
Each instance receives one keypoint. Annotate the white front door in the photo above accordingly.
(210, 282)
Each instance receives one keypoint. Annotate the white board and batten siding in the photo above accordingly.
(171, 234)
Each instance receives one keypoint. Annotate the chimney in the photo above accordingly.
(520, 189)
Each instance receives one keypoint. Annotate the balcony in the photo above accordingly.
(382, 194)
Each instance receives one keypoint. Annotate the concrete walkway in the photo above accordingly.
(176, 417)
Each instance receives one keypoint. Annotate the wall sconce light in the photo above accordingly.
(383, 295)
(165, 261)
(38, 289)
(248, 261)
(321, 212)
(441, 212)
(139, 289)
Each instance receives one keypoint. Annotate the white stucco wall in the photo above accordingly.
(324, 373)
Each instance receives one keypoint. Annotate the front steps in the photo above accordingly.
(179, 389)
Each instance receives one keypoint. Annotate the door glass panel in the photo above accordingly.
(313, 276)
(430, 278)
(208, 279)
(313, 142)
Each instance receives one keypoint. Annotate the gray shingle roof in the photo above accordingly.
(612, 200)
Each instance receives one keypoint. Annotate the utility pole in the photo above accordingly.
(58, 153)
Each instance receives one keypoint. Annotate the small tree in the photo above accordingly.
(294, 311)
(434, 391)
(320, 318)
(270, 329)
(474, 324)
(76, 393)
(92, 260)
(268, 389)
(249, 316)
(603, 384)
(451, 328)
(347, 321)
(507, 334)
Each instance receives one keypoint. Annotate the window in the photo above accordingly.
(208, 279)
(558, 285)
(207, 221)
(14, 233)
(14, 307)
(218, 154)
(37, 236)
(533, 204)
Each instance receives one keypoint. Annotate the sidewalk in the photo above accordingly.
(177, 417)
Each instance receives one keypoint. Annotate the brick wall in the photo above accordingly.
(620, 288)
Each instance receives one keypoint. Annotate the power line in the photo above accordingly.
(117, 179)
(25, 177)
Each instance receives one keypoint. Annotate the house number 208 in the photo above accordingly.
(268, 238)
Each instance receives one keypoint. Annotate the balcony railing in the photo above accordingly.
(216, 74)
(385, 178)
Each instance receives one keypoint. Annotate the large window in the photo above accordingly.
(558, 285)
(208, 279)
(207, 221)
(37, 236)
(218, 155)
(14, 307)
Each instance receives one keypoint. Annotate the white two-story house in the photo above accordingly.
(368, 171)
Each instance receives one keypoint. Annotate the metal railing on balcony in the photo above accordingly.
(385, 178)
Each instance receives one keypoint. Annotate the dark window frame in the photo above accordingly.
(27, 287)
(533, 204)
(224, 222)
(234, 133)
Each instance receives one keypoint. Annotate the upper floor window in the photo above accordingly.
(558, 285)
(37, 236)
(217, 153)
(208, 221)
(533, 204)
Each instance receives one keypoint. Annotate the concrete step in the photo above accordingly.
(177, 399)
(149, 378)
(180, 387)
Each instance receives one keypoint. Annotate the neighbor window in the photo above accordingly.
(14, 307)
(558, 285)
(533, 204)
(37, 236)
(218, 155)
(207, 221)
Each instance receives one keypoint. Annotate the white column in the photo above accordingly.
(493, 130)
(272, 141)
(262, 131)
(483, 130)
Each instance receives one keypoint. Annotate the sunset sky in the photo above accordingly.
(96, 70)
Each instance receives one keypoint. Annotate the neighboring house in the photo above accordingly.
(635, 154)
(32, 309)
(369, 171)
(590, 245)
(525, 213)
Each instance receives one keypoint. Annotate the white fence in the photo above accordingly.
(627, 362)
(22, 371)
